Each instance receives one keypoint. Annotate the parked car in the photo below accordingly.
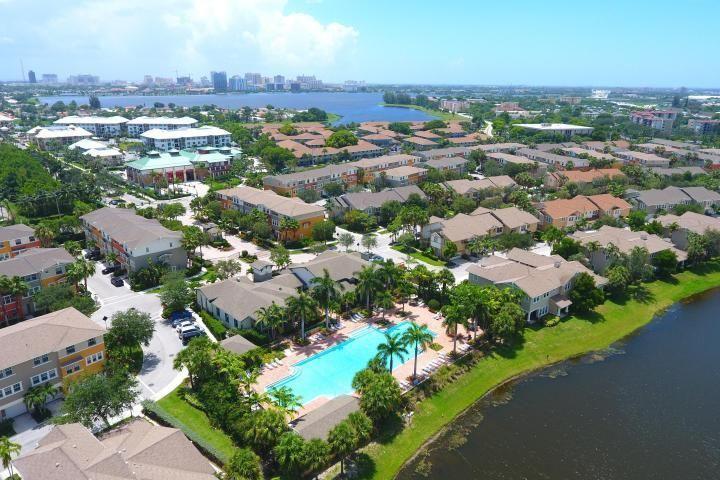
(93, 255)
(109, 269)
(179, 315)
(190, 335)
(184, 323)
(189, 328)
(117, 281)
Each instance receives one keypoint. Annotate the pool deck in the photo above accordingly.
(420, 315)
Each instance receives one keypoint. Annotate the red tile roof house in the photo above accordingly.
(560, 178)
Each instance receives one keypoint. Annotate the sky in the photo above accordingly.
(641, 43)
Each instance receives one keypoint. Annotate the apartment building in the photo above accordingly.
(512, 159)
(186, 137)
(477, 188)
(52, 348)
(39, 268)
(371, 202)
(138, 126)
(454, 106)
(656, 119)
(275, 207)
(704, 126)
(625, 240)
(420, 143)
(564, 213)
(403, 176)
(178, 166)
(642, 158)
(545, 282)
(443, 153)
(499, 147)
(456, 165)
(99, 126)
(559, 178)
(136, 240)
(15, 239)
(654, 200)
(679, 228)
(56, 136)
(550, 158)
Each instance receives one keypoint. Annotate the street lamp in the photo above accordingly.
(105, 320)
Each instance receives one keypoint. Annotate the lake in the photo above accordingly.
(353, 107)
(647, 408)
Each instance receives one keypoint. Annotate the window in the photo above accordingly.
(92, 341)
(95, 357)
(18, 241)
(74, 368)
(40, 360)
(6, 372)
(11, 390)
(32, 239)
(43, 377)
(70, 349)
(7, 299)
(58, 270)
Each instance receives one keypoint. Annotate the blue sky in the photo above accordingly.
(552, 42)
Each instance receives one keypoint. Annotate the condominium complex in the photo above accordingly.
(655, 119)
(140, 125)
(98, 126)
(563, 213)
(15, 239)
(704, 126)
(136, 240)
(51, 138)
(52, 348)
(181, 138)
(178, 166)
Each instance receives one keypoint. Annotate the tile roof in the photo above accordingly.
(34, 260)
(404, 170)
(626, 240)
(318, 422)
(126, 227)
(290, 207)
(13, 232)
(694, 222)
(579, 176)
(365, 200)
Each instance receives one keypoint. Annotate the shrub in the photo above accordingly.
(215, 326)
(258, 338)
(6, 428)
(433, 305)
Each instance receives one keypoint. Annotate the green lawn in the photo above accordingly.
(196, 421)
(447, 116)
(417, 255)
(542, 346)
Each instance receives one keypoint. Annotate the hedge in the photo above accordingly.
(215, 326)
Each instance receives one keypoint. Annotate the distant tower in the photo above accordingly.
(31, 77)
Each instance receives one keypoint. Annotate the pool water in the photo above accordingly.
(330, 372)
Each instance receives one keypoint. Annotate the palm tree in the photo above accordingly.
(420, 337)
(303, 306)
(346, 239)
(347, 299)
(394, 346)
(385, 301)
(455, 316)
(197, 358)
(389, 272)
(82, 269)
(19, 288)
(111, 258)
(45, 234)
(287, 224)
(369, 242)
(476, 245)
(7, 450)
(73, 247)
(343, 441)
(270, 317)
(36, 397)
(316, 454)
(326, 291)
(5, 288)
(403, 290)
(445, 278)
(284, 398)
(367, 284)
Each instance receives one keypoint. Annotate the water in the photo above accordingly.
(353, 107)
(645, 409)
(330, 372)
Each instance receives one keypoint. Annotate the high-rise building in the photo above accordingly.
(184, 81)
(204, 82)
(309, 82)
(253, 79)
(236, 83)
(31, 77)
(148, 80)
(219, 81)
(49, 78)
(279, 79)
(84, 79)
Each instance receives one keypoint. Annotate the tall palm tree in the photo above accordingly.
(19, 288)
(389, 273)
(270, 317)
(385, 301)
(73, 247)
(394, 346)
(475, 245)
(5, 289)
(287, 225)
(326, 291)
(403, 290)
(369, 242)
(420, 338)
(303, 306)
(82, 269)
(367, 284)
(7, 450)
(111, 258)
(445, 278)
(455, 316)
(284, 398)
(36, 397)
(45, 234)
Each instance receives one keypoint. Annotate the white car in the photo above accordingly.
(187, 328)
(185, 323)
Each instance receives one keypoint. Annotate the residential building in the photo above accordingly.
(550, 158)
(178, 166)
(49, 78)
(15, 239)
(579, 152)
(99, 126)
(655, 119)
(403, 176)
(483, 222)
(181, 138)
(51, 138)
(275, 207)
(379, 139)
(219, 81)
(136, 240)
(642, 158)
(563, 213)
(38, 268)
(138, 450)
(563, 129)
(625, 240)
(52, 348)
(420, 143)
(669, 172)
(98, 151)
(511, 159)
(476, 189)
(708, 199)
(140, 125)
(443, 153)
(318, 422)
(370, 202)
(454, 106)
(499, 147)
(654, 200)
(464, 141)
(545, 282)
(559, 178)
(456, 165)
(235, 302)
(679, 228)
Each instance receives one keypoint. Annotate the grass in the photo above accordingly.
(447, 116)
(419, 256)
(196, 421)
(539, 347)
(333, 117)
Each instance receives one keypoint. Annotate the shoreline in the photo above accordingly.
(613, 322)
(438, 114)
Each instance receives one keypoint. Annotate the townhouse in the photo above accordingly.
(135, 240)
(186, 137)
(379, 139)
(545, 282)
(443, 153)
(504, 159)
(679, 228)
(457, 165)
(476, 189)
(559, 178)
(138, 126)
(420, 143)
(564, 213)
(579, 152)
(38, 268)
(642, 158)
(550, 158)
(138, 450)
(703, 126)
(275, 207)
(99, 126)
(370, 168)
(464, 141)
(371, 202)
(52, 348)
(51, 138)
(499, 147)
(625, 240)
(315, 179)
(178, 166)
(313, 150)
(15, 239)
(235, 301)
(403, 176)
(482, 222)
(654, 200)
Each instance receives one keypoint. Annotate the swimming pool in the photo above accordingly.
(330, 372)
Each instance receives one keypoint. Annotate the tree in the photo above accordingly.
(193, 237)
(302, 307)
(343, 441)
(400, 127)
(288, 225)
(176, 294)
(73, 247)
(566, 248)
(317, 453)
(341, 138)
(326, 292)
(94, 102)
(508, 322)
(552, 235)
(380, 394)
(130, 328)
(636, 220)
(8, 449)
(227, 268)
(197, 357)
(290, 454)
(81, 269)
(36, 397)
(284, 398)
(323, 231)
(618, 279)
(420, 338)
(99, 397)
(584, 294)
(271, 317)
(346, 239)
(369, 242)
(454, 316)
(403, 290)
(394, 346)
(243, 465)
(5, 289)
(367, 284)
(449, 250)
(45, 234)
(262, 429)
(639, 264)
(665, 263)
(463, 204)
(698, 247)
(172, 210)
(280, 256)
(19, 288)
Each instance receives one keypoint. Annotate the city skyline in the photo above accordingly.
(563, 44)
